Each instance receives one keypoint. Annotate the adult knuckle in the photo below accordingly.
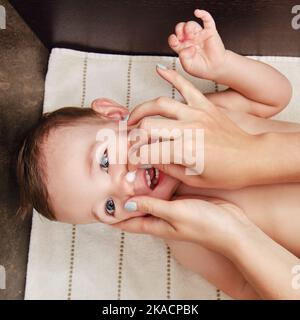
(162, 101)
(146, 207)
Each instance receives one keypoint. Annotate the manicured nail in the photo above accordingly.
(125, 119)
(130, 206)
(161, 66)
(145, 166)
(131, 176)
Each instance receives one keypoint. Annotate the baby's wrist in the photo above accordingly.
(222, 73)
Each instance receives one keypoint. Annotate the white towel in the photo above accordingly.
(97, 261)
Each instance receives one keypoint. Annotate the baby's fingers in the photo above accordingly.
(179, 30)
(174, 43)
(191, 28)
(208, 21)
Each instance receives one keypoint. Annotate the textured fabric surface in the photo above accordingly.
(96, 261)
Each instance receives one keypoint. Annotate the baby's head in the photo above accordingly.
(64, 172)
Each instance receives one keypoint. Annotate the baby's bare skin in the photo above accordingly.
(273, 208)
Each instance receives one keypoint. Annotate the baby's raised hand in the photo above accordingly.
(201, 50)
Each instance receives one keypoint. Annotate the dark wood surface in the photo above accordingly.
(258, 27)
(23, 64)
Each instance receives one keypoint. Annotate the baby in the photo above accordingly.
(66, 175)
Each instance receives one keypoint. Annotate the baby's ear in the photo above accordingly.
(109, 109)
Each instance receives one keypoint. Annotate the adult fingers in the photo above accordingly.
(163, 106)
(165, 152)
(189, 92)
(147, 225)
(156, 207)
(145, 142)
(180, 172)
(203, 198)
(155, 128)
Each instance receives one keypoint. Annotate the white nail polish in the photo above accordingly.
(161, 66)
(131, 176)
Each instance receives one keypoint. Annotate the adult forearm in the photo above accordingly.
(266, 265)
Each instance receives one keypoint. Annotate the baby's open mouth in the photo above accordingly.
(147, 180)
(152, 177)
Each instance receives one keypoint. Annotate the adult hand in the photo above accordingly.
(228, 150)
(211, 222)
(223, 228)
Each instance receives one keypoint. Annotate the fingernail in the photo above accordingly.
(131, 176)
(145, 166)
(125, 119)
(130, 206)
(161, 66)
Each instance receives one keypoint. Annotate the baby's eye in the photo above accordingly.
(104, 162)
(110, 207)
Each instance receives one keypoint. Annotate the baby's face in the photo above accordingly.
(83, 186)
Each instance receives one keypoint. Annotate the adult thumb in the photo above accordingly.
(160, 208)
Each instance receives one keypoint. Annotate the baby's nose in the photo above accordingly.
(124, 183)
(123, 189)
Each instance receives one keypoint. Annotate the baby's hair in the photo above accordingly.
(31, 163)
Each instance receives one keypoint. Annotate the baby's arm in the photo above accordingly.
(255, 87)
(214, 267)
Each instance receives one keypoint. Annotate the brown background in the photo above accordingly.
(261, 27)
(139, 27)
